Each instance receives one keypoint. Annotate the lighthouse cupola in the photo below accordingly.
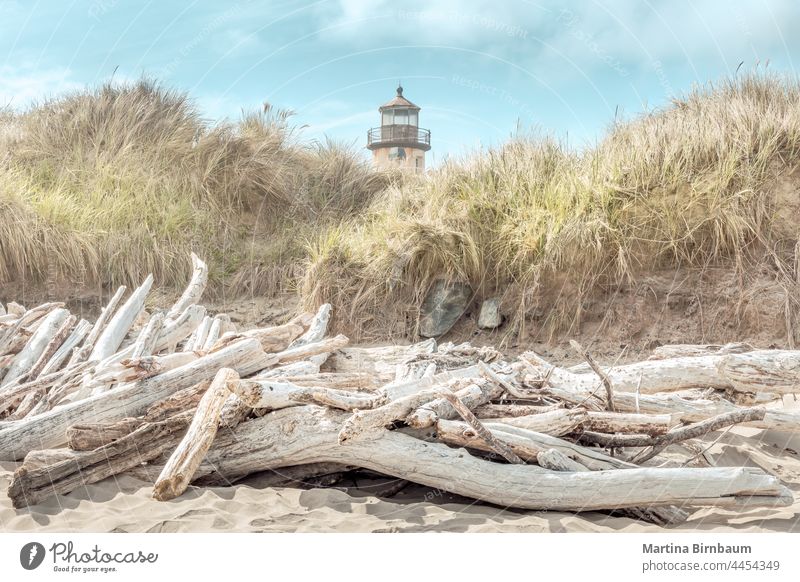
(399, 141)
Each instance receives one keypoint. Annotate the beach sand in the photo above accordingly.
(123, 504)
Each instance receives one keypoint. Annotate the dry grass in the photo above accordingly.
(690, 185)
(104, 186)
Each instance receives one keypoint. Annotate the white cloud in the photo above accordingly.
(446, 22)
(636, 35)
(625, 37)
(22, 85)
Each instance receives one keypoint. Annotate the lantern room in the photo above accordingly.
(399, 141)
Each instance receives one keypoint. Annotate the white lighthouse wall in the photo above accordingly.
(414, 159)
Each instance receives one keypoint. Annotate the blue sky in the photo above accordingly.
(478, 68)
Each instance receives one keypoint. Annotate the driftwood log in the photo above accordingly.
(181, 396)
(186, 458)
(776, 371)
(295, 436)
(50, 429)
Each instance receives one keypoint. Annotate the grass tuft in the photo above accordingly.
(689, 185)
(105, 185)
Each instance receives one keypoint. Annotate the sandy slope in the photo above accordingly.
(124, 505)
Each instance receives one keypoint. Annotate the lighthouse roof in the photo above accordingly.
(398, 101)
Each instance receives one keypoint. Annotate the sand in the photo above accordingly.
(123, 504)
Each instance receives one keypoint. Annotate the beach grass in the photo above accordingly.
(105, 185)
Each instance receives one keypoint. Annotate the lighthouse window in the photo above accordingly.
(413, 118)
(401, 117)
(387, 118)
(397, 153)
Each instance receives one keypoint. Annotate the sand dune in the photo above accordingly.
(123, 504)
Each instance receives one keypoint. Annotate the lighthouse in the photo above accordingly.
(399, 142)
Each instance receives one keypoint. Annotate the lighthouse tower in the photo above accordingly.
(399, 141)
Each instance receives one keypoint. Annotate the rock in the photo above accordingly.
(443, 305)
(490, 316)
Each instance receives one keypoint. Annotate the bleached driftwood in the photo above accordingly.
(449, 356)
(99, 326)
(178, 402)
(193, 291)
(277, 338)
(172, 332)
(681, 350)
(494, 444)
(607, 384)
(214, 332)
(699, 429)
(35, 346)
(49, 429)
(383, 415)
(146, 342)
(198, 338)
(776, 371)
(380, 361)
(408, 371)
(149, 472)
(178, 407)
(52, 472)
(275, 394)
(510, 387)
(316, 329)
(611, 422)
(119, 325)
(396, 390)
(341, 399)
(87, 437)
(25, 318)
(15, 333)
(14, 392)
(52, 347)
(308, 350)
(296, 476)
(475, 393)
(555, 460)
(556, 422)
(527, 444)
(700, 406)
(66, 349)
(15, 309)
(28, 405)
(370, 422)
(186, 458)
(273, 339)
(352, 382)
(308, 434)
(175, 330)
(16, 341)
(234, 411)
(486, 411)
(131, 370)
(302, 368)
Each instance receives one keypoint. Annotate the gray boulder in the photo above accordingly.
(444, 304)
(490, 316)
